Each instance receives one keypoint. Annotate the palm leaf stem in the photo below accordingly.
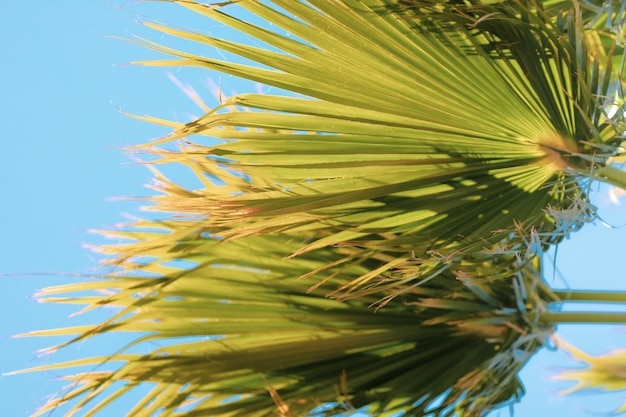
(610, 175)
(591, 296)
(580, 317)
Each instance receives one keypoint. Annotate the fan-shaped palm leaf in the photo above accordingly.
(254, 329)
(419, 135)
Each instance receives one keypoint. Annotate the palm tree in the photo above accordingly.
(382, 220)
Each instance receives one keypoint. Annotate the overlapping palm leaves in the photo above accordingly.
(423, 159)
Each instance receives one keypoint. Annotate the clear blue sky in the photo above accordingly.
(59, 163)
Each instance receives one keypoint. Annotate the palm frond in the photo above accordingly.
(424, 134)
(420, 160)
(604, 372)
(251, 329)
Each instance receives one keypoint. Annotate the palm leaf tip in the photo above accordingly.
(606, 372)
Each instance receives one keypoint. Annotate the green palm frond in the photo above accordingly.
(410, 133)
(606, 372)
(601, 23)
(252, 329)
(419, 161)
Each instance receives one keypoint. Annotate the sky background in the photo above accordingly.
(62, 80)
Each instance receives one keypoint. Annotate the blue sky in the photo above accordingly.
(61, 80)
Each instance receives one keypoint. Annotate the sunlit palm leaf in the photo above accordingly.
(606, 372)
(420, 135)
(423, 156)
(253, 329)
